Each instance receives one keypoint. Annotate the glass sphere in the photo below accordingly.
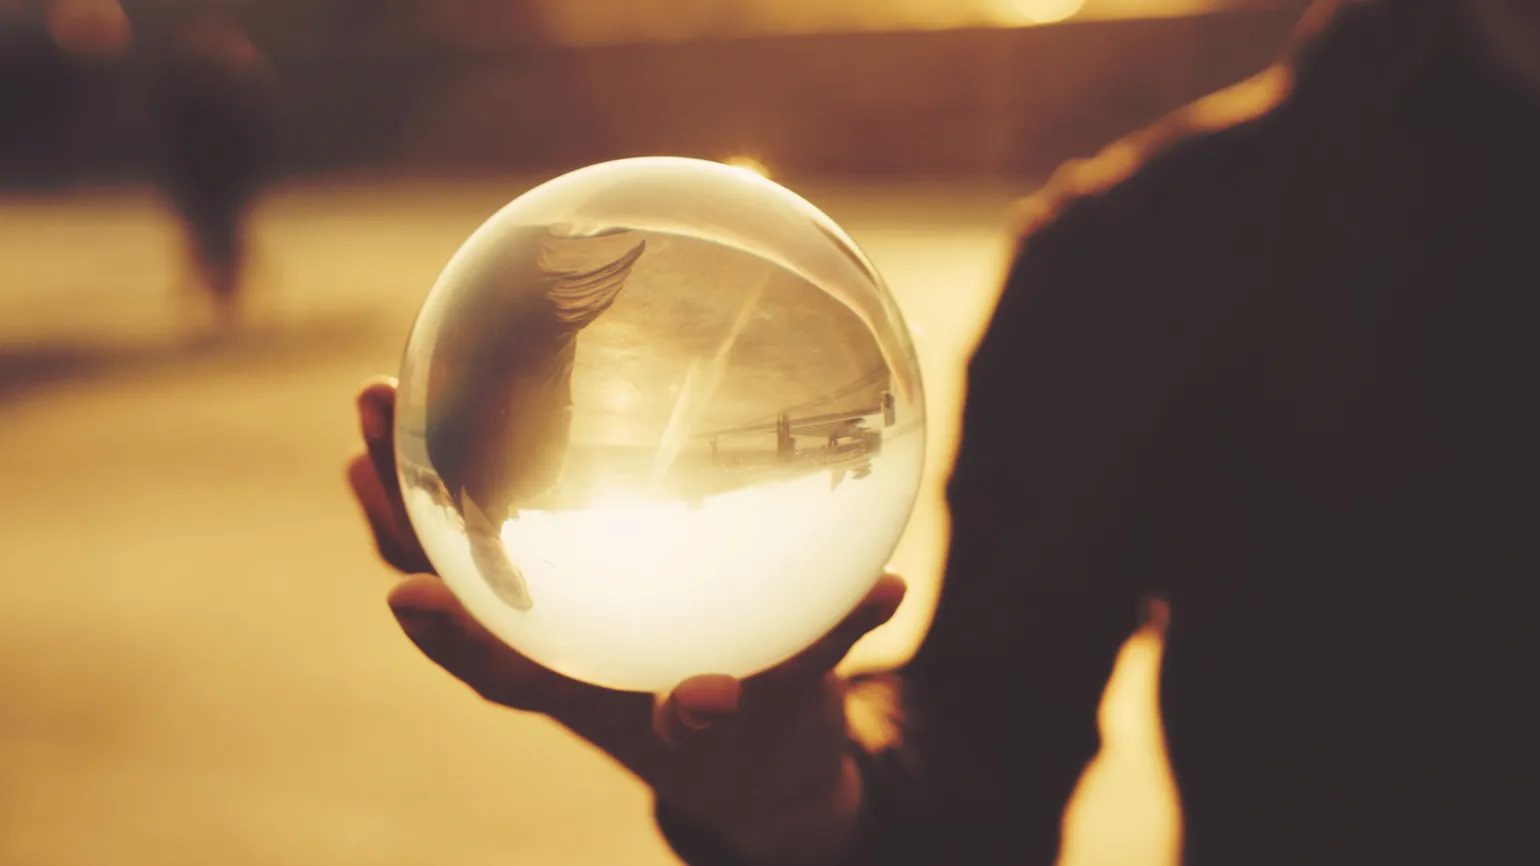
(659, 418)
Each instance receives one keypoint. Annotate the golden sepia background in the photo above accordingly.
(196, 664)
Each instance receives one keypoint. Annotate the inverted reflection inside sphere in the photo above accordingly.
(658, 418)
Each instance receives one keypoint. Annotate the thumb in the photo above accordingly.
(695, 707)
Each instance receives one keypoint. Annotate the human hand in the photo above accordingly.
(763, 761)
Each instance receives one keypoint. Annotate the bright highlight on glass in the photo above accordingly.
(658, 418)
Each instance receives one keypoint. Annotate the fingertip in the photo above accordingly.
(709, 696)
(890, 585)
(376, 407)
(361, 475)
(422, 595)
(885, 598)
(695, 706)
(378, 388)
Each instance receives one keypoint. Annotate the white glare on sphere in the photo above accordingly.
(659, 418)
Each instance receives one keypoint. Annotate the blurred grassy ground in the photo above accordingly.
(195, 662)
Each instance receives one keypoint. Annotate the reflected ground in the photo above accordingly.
(196, 664)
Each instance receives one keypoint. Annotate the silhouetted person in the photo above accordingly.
(1277, 370)
(215, 121)
(499, 384)
(39, 89)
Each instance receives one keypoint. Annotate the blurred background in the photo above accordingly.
(196, 664)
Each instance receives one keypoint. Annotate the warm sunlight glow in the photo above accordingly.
(1044, 11)
(604, 22)
(646, 592)
(637, 530)
(1125, 809)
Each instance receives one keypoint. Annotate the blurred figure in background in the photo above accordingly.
(35, 82)
(1270, 360)
(56, 70)
(215, 123)
(96, 38)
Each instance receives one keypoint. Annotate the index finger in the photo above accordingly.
(377, 485)
(396, 541)
(377, 420)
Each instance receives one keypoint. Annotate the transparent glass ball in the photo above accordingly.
(659, 418)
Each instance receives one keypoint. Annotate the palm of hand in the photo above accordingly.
(742, 756)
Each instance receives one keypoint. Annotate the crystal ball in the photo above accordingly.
(657, 418)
